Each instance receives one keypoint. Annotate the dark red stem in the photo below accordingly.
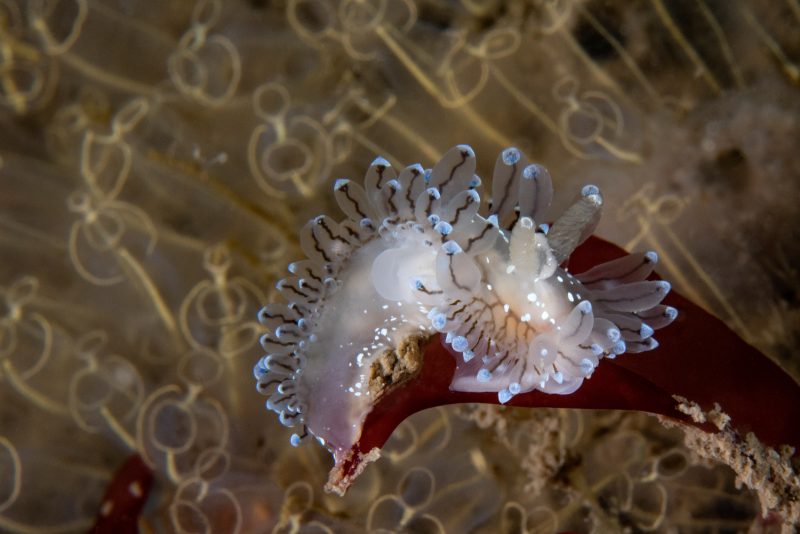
(699, 358)
(124, 499)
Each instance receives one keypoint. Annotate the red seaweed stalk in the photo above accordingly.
(699, 358)
(124, 499)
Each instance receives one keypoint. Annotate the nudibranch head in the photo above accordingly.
(415, 256)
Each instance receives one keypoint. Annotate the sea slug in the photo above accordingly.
(416, 256)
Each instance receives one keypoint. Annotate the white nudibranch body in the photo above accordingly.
(414, 255)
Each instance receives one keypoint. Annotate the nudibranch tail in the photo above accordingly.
(415, 256)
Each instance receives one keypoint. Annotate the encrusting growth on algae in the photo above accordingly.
(396, 366)
(769, 473)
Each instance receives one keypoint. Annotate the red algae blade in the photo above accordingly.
(124, 499)
(699, 358)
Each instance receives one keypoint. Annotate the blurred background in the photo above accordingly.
(158, 158)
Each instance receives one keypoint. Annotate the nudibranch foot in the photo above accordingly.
(415, 256)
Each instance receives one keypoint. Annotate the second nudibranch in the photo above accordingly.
(414, 256)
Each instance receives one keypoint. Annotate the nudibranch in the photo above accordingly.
(416, 256)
